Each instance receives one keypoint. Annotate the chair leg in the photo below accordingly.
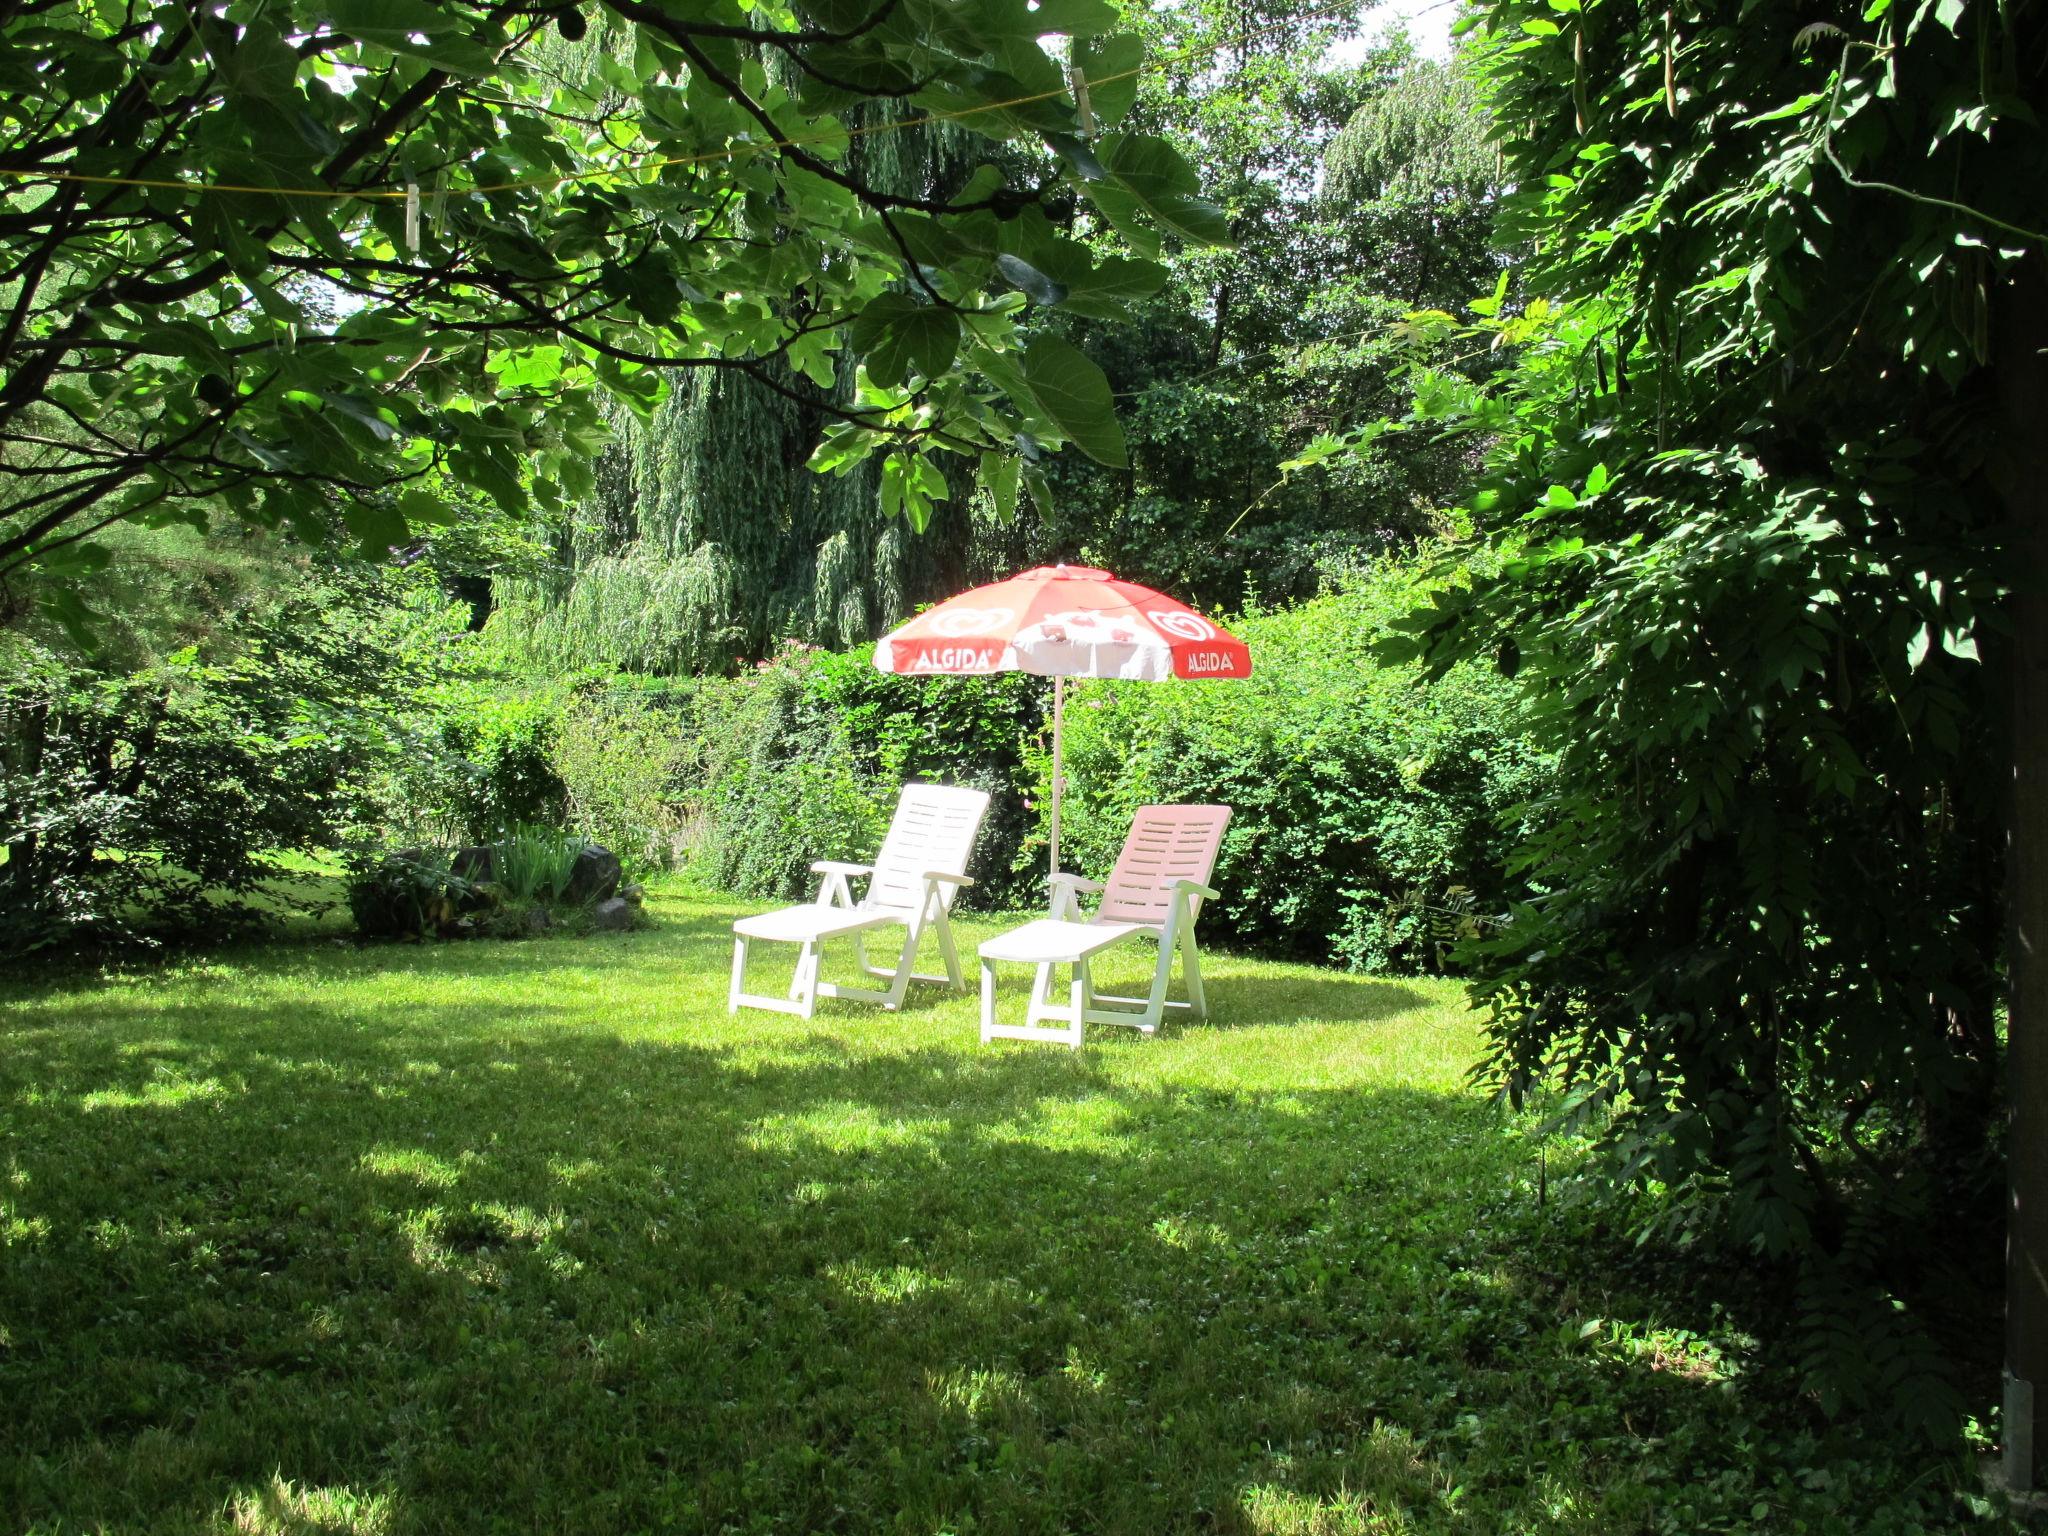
(949, 953)
(739, 971)
(1041, 988)
(1084, 999)
(1191, 973)
(988, 1001)
(1155, 1000)
(803, 986)
(906, 962)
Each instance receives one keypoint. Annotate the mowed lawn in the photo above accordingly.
(533, 1237)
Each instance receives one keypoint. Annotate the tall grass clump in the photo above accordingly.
(535, 863)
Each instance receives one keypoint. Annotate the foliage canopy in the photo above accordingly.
(289, 259)
(1751, 492)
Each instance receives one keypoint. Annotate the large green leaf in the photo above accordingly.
(1165, 186)
(1076, 398)
(999, 476)
(897, 333)
(1109, 68)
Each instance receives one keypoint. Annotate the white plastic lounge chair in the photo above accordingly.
(1157, 888)
(911, 885)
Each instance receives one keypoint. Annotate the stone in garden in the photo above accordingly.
(537, 920)
(613, 916)
(594, 878)
(472, 864)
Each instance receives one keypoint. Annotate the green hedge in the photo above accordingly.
(1372, 808)
(802, 759)
(1369, 805)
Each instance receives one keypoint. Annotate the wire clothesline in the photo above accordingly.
(411, 192)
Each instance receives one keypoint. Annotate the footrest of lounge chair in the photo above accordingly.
(1051, 941)
(807, 924)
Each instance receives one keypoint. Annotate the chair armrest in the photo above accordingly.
(1065, 892)
(1194, 888)
(834, 867)
(947, 876)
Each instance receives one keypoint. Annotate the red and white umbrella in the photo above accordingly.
(1063, 621)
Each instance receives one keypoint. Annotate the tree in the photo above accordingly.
(707, 538)
(1767, 491)
(262, 260)
(239, 706)
(1295, 331)
(1415, 180)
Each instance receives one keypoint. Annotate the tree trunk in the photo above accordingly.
(2023, 475)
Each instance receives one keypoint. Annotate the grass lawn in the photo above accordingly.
(532, 1237)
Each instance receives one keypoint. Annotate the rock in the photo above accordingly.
(613, 916)
(472, 864)
(594, 878)
(635, 893)
(537, 920)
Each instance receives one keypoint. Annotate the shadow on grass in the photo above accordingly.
(363, 1264)
(1326, 998)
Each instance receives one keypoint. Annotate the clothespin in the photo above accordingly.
(1079, 82)
(412, 217)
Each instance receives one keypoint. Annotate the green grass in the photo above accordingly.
(531, 1236)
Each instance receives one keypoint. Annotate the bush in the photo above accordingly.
(535, 864)
(802, 759)
(481, 758)
(780, 786)
(975, 732)
(407, 894)
(624, 752)
(155, 794)
(1368, 807)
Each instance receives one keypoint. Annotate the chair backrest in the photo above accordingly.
(934, 829)
(1167, 843)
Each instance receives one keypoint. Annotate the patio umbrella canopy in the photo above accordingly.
(1063, 621)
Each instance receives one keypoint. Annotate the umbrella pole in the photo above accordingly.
(1059, 711)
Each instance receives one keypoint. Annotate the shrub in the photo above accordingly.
(1368, 806)
(154, 794)
(624, 752)
(976, 732)
(780, 785)
(406, 894)
(802, 758)
(481, 758)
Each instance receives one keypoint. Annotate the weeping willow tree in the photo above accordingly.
(707, 539)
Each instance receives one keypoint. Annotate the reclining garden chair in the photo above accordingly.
(1156, 889)
(911, 886)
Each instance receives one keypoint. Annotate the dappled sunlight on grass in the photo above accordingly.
(279, 1509)
(843, 1127)
(533, 1234)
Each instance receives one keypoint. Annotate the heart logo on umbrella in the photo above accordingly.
(1188, 626)
(953, 623)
